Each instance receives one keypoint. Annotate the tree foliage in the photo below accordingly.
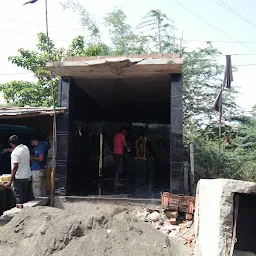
(123, 37)
(236, 160)
(158, 28)
(39, 93)
(23, 93)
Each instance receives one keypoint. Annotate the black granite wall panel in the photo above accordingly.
(176, 138)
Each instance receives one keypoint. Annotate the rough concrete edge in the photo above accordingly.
(197, 251)
(135, 201)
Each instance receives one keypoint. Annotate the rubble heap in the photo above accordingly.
(174, 224)
(97, 229)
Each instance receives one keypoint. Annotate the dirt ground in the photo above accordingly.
(85, 229)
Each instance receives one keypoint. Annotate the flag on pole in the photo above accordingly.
(217, 105)
(228, 78)
(229, 73)
(30, 2)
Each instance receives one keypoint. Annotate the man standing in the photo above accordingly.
(20, 170)
(119, 143)
(38, 164)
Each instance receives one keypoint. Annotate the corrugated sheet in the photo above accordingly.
(21, 112)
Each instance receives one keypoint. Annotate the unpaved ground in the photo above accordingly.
(88, 229)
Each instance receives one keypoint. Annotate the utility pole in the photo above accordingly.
(54, 135)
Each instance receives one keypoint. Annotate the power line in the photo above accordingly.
(244, 65)
(10, 74)
(217, 41)
(230, 9)
(39, 24)
(23, 34)
(209, 24)
(186, 40)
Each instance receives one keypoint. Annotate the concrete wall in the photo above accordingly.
(214, 214)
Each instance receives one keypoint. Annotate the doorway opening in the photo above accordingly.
(98, 109)
(246, 223)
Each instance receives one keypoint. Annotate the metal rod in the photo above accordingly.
(54, 139)
(192, 167)
(220, 126)
(159, 37)
(220, 111)
(101, 155)
(181, 40)
(174, 43)
(170, 139)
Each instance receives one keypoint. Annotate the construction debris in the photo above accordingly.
(183, 204)
(154, 216)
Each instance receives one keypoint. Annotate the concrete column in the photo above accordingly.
(62, 139)
(176, 139)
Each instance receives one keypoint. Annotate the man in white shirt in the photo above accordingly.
(21, 172)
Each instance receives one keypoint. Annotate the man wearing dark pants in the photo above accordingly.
(21, 172)
(119, 143)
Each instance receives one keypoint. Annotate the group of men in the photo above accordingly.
(26, 165)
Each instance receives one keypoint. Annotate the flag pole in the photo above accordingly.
(220, 126)
(217, 105)
(220, 111)
(54, 139)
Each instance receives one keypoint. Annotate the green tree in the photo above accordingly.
(124, 40)
(159, 30)
(87, 22)
(39, 93)
(78, 47)
(23, 93)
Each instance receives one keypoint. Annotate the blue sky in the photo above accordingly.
(20, 24)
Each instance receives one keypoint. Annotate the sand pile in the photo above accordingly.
(49, 231)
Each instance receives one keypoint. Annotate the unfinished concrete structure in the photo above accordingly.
(225, 218)
(104, 92)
